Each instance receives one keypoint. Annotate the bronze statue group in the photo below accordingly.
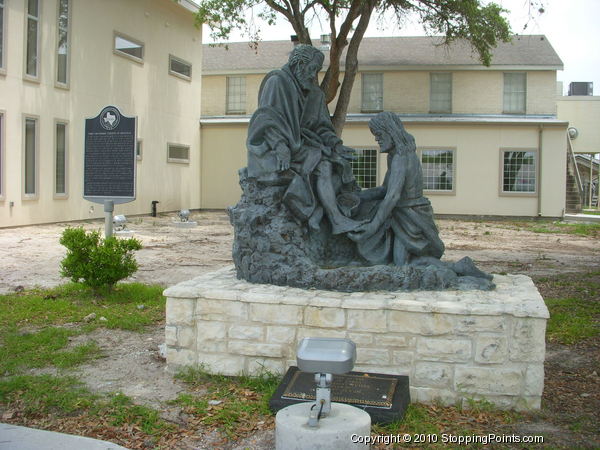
(295, 154)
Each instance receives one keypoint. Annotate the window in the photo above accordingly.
(372, 92)
(1, 155)
(60, 160)
(30, 156)
(364, 167)
(178, 153)
(129, 47)
(519, 171)
(180, 68)
(515, 93)
(32, 38)
(2, 33)
(63, 43)
(440, 98)
(236, 95)
(138, 150)
(438, 169)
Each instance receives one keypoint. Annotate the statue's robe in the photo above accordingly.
(409, 222)
(299, 119)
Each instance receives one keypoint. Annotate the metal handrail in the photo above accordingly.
(577, 174)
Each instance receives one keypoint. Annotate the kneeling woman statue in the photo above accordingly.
(400, 223)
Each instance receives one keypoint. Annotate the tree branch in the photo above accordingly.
(341, 108)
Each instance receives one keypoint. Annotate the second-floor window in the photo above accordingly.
(440, 97)
(372, 92)
(515, 92)
(129, 47)
(32, 38)
(180, 68)
(236, 95)
(62, 50)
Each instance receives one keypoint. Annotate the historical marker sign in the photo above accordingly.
(384, 397)
(109, 162)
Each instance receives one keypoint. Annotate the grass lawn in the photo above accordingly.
(547, 226)
(592, 212)
(36, 327)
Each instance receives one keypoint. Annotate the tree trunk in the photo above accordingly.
(341, 108)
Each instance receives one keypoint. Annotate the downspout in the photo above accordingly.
(591, 180)
(539, 196)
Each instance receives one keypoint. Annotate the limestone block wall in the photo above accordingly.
(453, 345)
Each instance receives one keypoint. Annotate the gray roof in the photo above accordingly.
(530, 51)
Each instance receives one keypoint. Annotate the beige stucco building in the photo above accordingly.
(583, 114)
(489, 137)
(63, 61)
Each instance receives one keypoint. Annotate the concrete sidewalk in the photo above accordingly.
(588, 218)
(13, 437)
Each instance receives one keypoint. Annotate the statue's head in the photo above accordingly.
(305, 62)
(389, 132)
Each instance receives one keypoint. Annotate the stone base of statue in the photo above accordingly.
(454, 345)
(271, 246)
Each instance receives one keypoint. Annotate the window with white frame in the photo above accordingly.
(32, 37)
(364, 167)
(63, 42)
(180, 68)
(128, 47)
(440, 97)
(519, 173)
(515, 93)
(60, 159)
(1, 155)
(178, 153)
(2, 33)
(30, 163)
(236, 95)
(372, 92)
(438, 169)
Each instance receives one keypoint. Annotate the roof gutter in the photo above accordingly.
(423, 119)
(189, 5)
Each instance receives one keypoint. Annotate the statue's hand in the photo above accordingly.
(363, 231)
(346, 152)
(283, 157)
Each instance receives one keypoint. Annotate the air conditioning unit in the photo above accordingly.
(581, 88)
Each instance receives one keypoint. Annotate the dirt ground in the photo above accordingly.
(132, 362)
(30, 256)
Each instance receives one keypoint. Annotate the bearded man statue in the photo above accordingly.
(291, 142)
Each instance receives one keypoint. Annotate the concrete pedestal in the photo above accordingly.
(344, 428)
(454, 345)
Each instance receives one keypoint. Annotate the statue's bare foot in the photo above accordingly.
(467, 267)
(344, 225)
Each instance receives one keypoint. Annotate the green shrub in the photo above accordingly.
(98, 263)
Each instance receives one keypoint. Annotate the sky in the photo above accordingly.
(571, 26)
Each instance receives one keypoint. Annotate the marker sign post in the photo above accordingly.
(109, 163)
